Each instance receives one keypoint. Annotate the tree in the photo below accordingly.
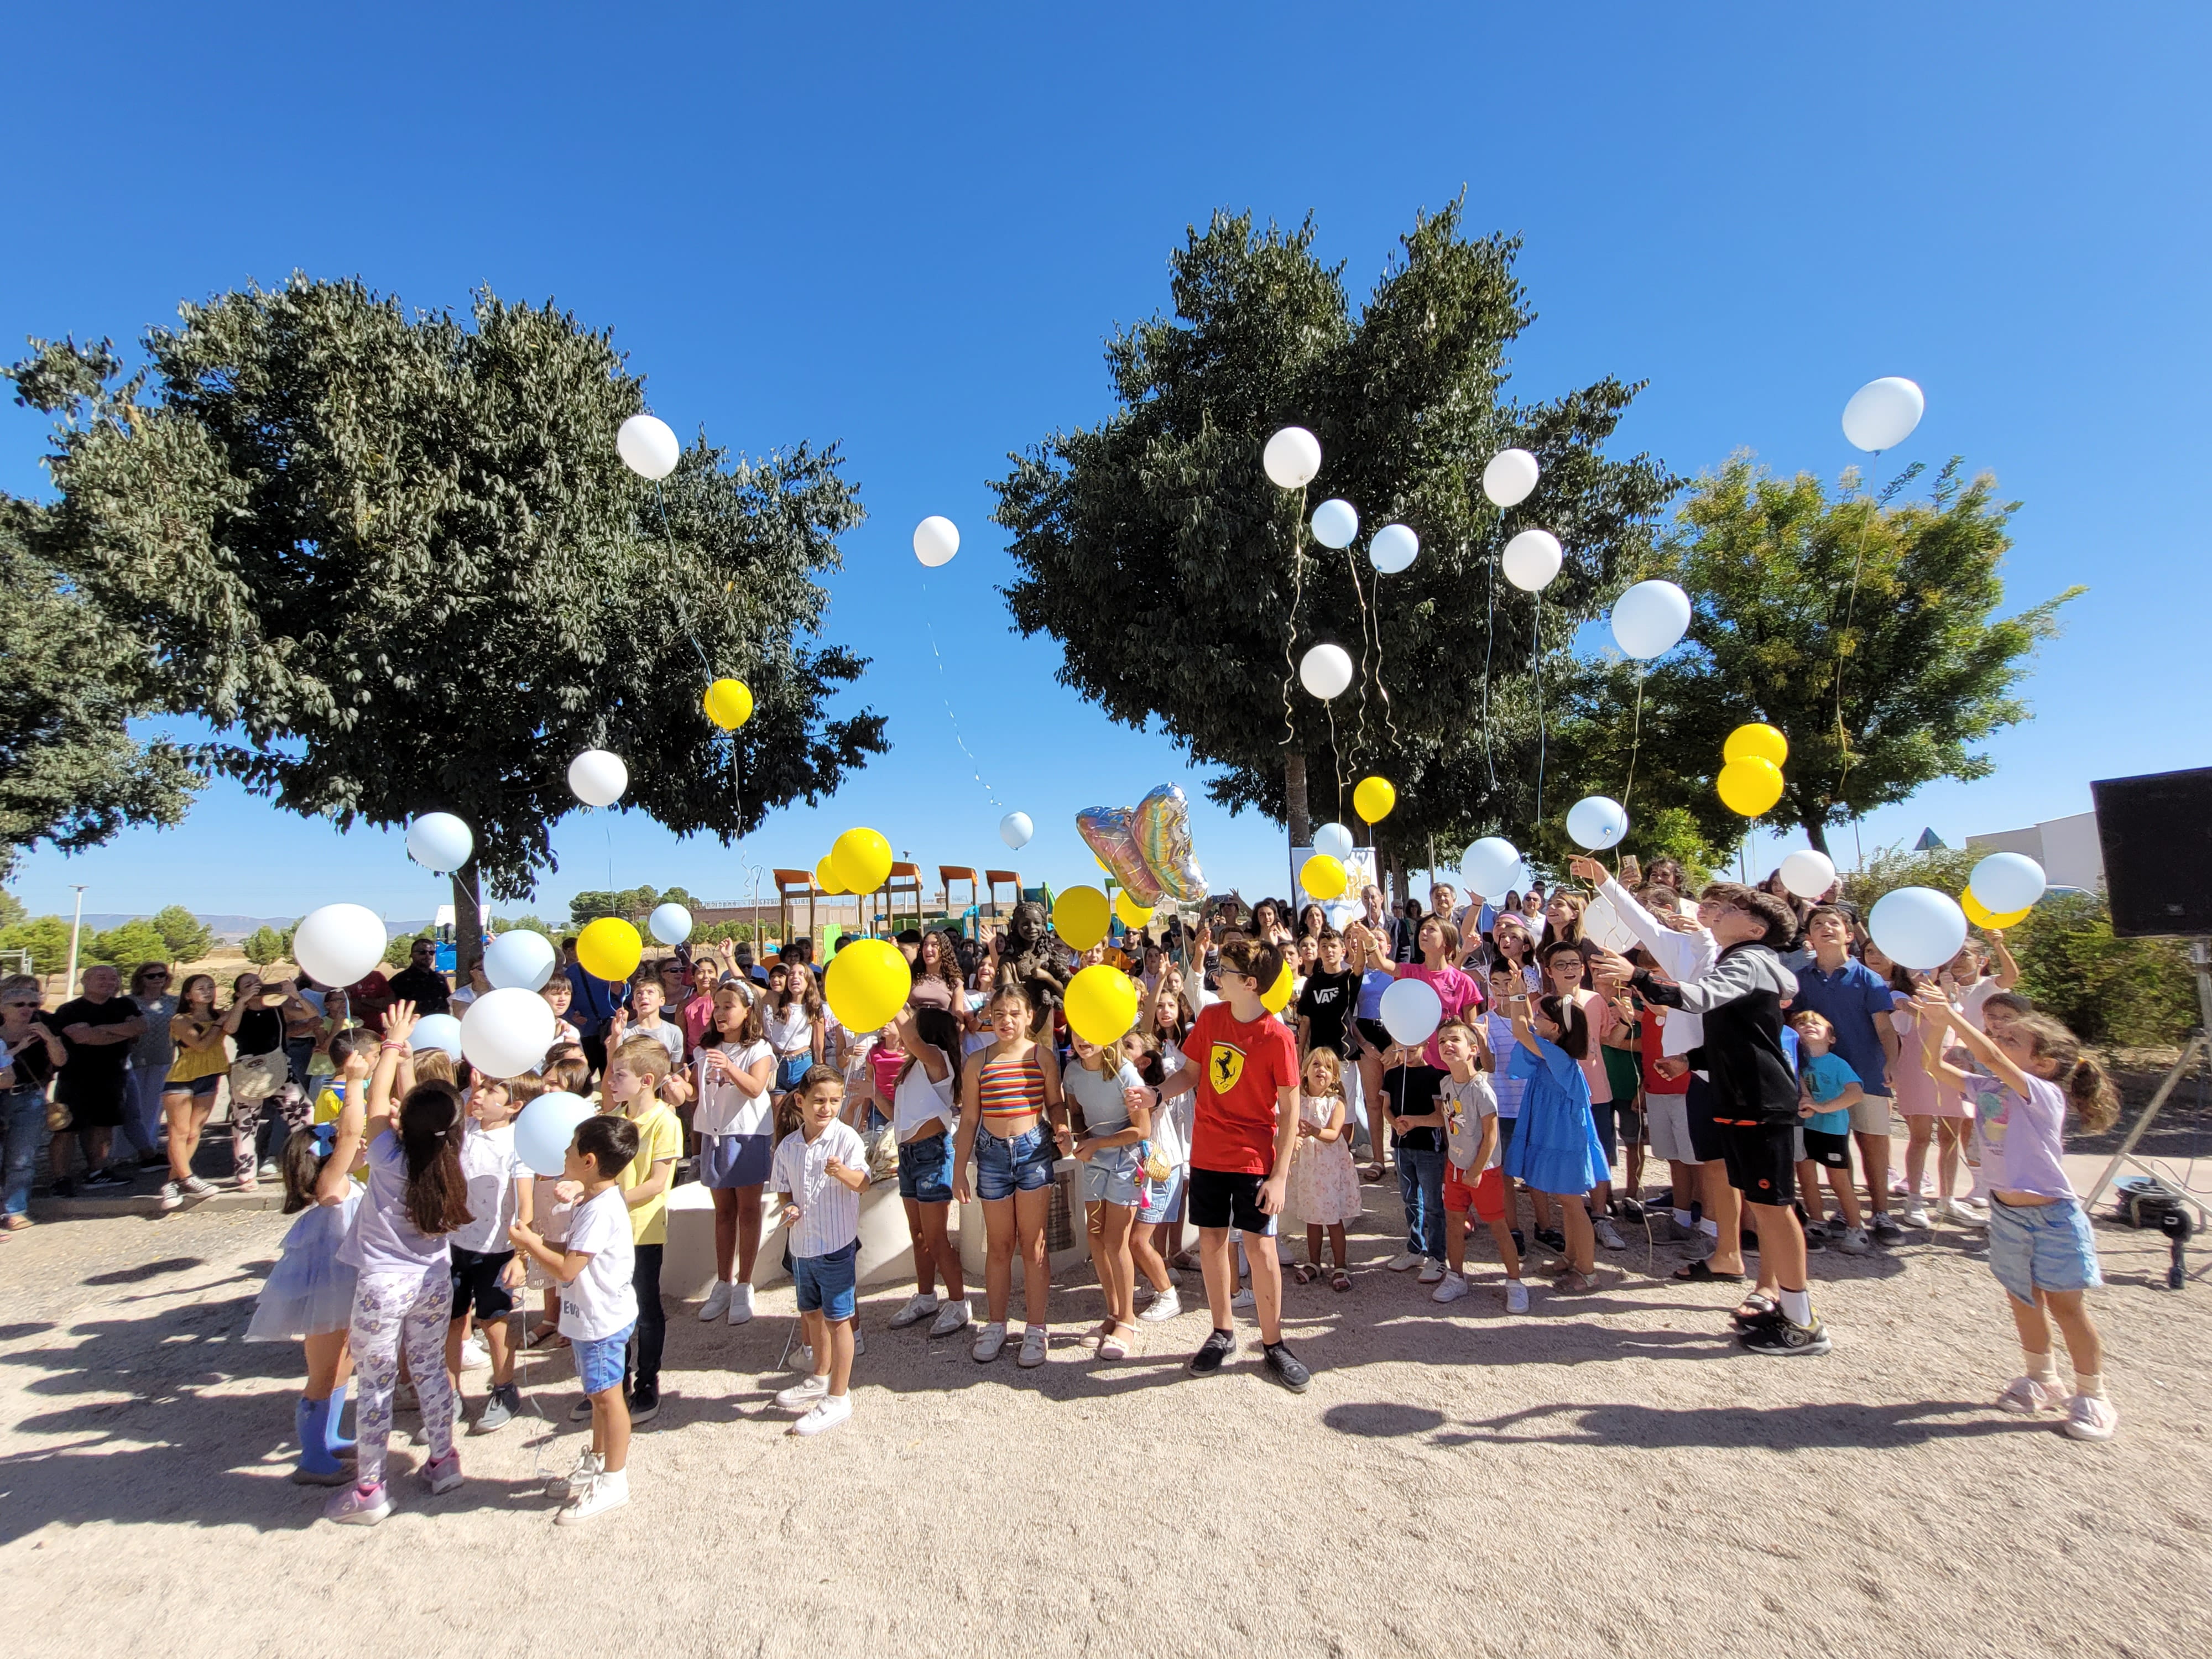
(394, 560)
(189, 938)
(1180, 583)
(401, 946)
(11, 909)
(263, 946)
(46, 938)
(72, 675)
(631, 903)
(1796, 594)
(127, 946)
(532, 924)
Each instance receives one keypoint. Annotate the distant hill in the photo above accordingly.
(228, 928)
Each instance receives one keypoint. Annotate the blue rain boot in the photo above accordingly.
(340, 1444)
(317, 1467)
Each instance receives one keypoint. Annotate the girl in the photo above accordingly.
(1153, 1240)
(259, 1072)
(1568, 970)
(414, 1198)
(1555, 1147)
(793, 1026)
(1311, 920)
(308, 1296)
(1323, 1188)
(2040, 1246)
(923, 1117)
(1563, 918)
(1368, 948)
(1013, 1125)
(1117, 1117)
(936, 975)
(1934, 1116)
(733, 1077)
(476, 985)
(1421, 1176)
(1513, 946)
(188, 1095)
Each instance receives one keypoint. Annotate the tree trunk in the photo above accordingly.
(468, 921)
(1816, 832)
(1294, 810)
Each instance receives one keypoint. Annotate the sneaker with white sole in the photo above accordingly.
(602, 1492)
(990, 1340)
(1166, 1305)
(1883, 1228)
(1431, 1271)
(502, 1409)
(2091, 1417)
(173, 1195)
(475, 1357)
(917, 1309)
(198, 1186)
(563, 1488)
(802, 1394)
(1404, 1261)
(828, 1414)
(1959, 1215)
(951, 1316)
(1916, 1214)
(358, 1506)
(741, 1303)
(1244, 1301)
(1853, 1242)
(2026, 1396)
(1516, 1296)
(443, 1474)
(1607, 1234)
(718, 1301)
(268, 1171)
(1037, 1346)
(1449, 1288)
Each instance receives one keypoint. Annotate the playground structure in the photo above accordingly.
(803, 908)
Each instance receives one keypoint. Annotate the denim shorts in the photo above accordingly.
(1017, 1163)
(791, 1070)
(1112, 1177)
(2042, 1247)
(825, 1283)
(925, 1169)
(599, 1361)
(1163, 1200)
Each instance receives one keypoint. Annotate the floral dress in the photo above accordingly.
(1323, 1188)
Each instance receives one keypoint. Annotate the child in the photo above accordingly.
(1323, 1190)
(486, 1273)
(1159, 1217)
(1118, 1120)
(637, 1072)
(1831, 1089)
(2040, 1246)
(1505, 984)
(818, 1174)
(642, 1019)
(1470, 1107)
(923, 1115)
(599, 1309)
(1556, 1149)
(731, 1075)
(1568, 977)
(416, 1198)
(308, 1298)
(557, 991)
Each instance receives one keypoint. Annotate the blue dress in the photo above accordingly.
(309, 1292)
(1556, 1149)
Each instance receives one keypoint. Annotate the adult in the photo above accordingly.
(1404, 944)
(420, 983)
(259, 1073)
(474, 983)
(1311, 920)
(98, 1027)
(34, 1053)
(202, 1062)
(149, 1062)
(303, 1027)
(1856, 1002)
(1375, 916)
(370, 998)
(591, 1005)
(1243, 1127)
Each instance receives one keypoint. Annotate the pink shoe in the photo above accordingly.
(358, 1506)
(444, 1473)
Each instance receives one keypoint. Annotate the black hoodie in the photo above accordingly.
(1740, 1000)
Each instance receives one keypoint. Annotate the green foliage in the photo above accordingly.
(11, 909)
(1943, 868)
(2137, 991)
(46, 938)
(394, 559)
(189, 938)
(528, 923)
(73, 673)
(1179, 582)
(127, 946)
(1787, 582)
(263, 946)
(400, 946)
(632, 903)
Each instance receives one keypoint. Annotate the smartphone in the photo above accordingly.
(1631, 872)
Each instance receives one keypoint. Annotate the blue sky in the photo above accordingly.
(908, 229)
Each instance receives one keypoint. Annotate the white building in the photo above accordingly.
(2067, 849)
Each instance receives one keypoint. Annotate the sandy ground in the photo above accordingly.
(1605, 1473)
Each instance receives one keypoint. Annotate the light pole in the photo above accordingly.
(76, 921)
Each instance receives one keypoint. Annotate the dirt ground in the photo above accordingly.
(1607, 1472)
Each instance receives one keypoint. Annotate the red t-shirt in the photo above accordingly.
(1242, 1067)
(1650, 1032)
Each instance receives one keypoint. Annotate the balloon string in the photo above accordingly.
(976, 765)
(1360, 742)
(1536, 674)
(1636, 738)
(1489, 649)
(1338, 754)
(1843, 640)
(684, 621)
(1291, 629)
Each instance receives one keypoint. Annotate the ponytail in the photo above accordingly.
(429, 1133)
(2096, 1100)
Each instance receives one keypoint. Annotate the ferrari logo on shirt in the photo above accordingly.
(1225, 1066)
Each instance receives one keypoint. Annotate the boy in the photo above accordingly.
(637, 1070)
(1831, 1089)
(485, 1275)
(818, 1173)
(642, 1019)
(1327, 1002)
(1857, 1003)
(1470, 1108)
(599, 1309)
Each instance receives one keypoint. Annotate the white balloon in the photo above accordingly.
(1604, 926)
(1334, 839)
(1597, 820)
(598, 778)
(1335, 522)
(439, 841)
(1918, 926)
(436, 1031)
(1808, 874)
(2005, 881)
(936, 539)
(521, 959)
(506, 1033)
(1532, 559)
(1882, 413)
(1510, 477)
(1394, 548)
(1489, 866)
(1326, 671)
(547, 1126)
(338, 944)
(1412, 1010)
(1292, 456)
(1015, 829)
(648, 447)
(1649, 619)
(670, 923)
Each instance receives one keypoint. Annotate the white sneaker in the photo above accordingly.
(1244, 1299)
(1166, 1305)
(602, 1492)
(563, 1488)
(741, 1303)
(828, 1411)
(917, 1309)
(268, 1171)
(1915, 1213)
(173, 1195)
(1036, 1345)
(475, 1357)
(1516, 1296)
(802, 1359)
(859, 1342)
(801, 1394)
(951, 1316)
(1450, 1288)
(1607, 1234)
(1431, 1271)
(2026, 1396)
(198, 1186)
(1403, 1260)
(989, 1340)
(718, 1301)
(1959, 1215)
(2091, 1417)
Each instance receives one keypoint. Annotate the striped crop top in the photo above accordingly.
(1012, 1088)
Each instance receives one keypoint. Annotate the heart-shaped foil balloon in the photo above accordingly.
(1110, 832)
(1164, 839)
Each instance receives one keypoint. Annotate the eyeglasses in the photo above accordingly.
(24, 1005)
(150, 978)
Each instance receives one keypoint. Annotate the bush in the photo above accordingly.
(2141, 992)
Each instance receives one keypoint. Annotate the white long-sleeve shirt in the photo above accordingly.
(1684, 957)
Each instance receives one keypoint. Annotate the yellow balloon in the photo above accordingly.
(1373, 799)
(1750, 786)
(867, 982)
(729, 703)
(1135, 916)
(609, 948)
(1277, 997)
(1982, 916)
(1323, 877)
(1079, 917)
(1102, 1004)
(1757, 741)
(825, 874)
(862, 860)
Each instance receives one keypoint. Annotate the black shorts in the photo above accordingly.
(1698, 1105)
(1375, 1034)
(476, 1283)
(1761, 1160)
(1830, 1151)
(1218, 1198)
(95, 1107)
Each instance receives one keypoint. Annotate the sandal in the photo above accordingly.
(1571, 1282)
(1700, 1273)
(16, 1224)
(1115, 1346)
(540, 1334)
(1753, 1309)
(1339, 1280)
(1371, 1173)
(1304, 1273)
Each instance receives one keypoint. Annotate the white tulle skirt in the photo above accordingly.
(309, 1292)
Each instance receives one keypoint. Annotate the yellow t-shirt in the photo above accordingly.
(660, 1139)
(328, 1105)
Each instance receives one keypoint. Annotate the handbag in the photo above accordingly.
(256, 1077)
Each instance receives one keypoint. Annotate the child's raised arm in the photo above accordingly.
(392, 1057)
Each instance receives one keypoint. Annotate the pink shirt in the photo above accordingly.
(1459, 993)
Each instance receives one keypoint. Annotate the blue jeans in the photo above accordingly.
(1020, 1162)
(25, 1129)
(1421, 1185)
